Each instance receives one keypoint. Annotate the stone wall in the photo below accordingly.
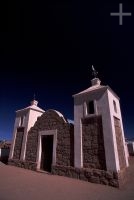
(91, 175)
(120, 146)
(109, 178)
(50, 120)
(23, 164)
(18, 143)
(93, 143)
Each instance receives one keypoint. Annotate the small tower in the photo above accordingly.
(98, 131)
(25, 119)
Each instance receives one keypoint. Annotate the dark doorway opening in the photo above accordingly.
(47, 152)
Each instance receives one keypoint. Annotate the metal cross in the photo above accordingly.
(121, 14)
(94, 72)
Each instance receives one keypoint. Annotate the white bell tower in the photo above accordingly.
(25, 119)
(101, 102)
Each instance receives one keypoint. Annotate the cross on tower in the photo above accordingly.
(94, 72)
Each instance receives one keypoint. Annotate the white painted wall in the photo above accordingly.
(112, 161)
(78, 154)
(33, 115)
(119, 116)
(30, 120)
(16, 125)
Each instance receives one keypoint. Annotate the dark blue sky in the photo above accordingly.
(46, 49)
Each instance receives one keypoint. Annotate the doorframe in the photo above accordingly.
(39, 148)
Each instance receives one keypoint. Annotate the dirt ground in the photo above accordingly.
(21, 184)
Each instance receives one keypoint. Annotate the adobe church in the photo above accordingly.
(93, 149)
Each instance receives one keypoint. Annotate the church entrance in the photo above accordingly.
(47, 152)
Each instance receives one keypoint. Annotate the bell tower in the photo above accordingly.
(25, 119)
(98, 130)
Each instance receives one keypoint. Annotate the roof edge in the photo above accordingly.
(28, 108)
(97, 88)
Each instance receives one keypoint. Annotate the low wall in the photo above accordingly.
(91, 175)
(23, 164)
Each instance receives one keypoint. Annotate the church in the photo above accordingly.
(92, 149)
